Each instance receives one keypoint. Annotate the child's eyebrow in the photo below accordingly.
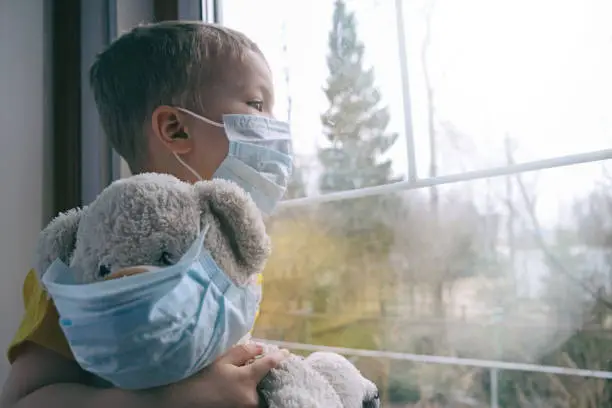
(261, 87)
(267, 92)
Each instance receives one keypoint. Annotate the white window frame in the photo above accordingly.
(432, 359)
(417, 183)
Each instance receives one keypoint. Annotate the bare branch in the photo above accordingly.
(530, 206)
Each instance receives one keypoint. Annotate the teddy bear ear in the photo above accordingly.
(237, 235)
(57, 240)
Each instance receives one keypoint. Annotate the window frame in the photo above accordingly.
(425, 182)
(434, 359)
(65, 20)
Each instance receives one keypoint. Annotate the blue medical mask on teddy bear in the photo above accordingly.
(259, 158)
(153, 328)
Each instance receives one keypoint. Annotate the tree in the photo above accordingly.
(355, 123)
(329, 261)
(305, 257)
(444, 141)
(578, 293)
(356, 127)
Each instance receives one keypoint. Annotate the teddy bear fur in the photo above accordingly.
(320, 380)
(151, 220)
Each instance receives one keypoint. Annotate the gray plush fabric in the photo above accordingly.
(151, 220)
(353, 389)
(321, 380)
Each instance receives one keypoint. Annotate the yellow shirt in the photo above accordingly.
(40, 323)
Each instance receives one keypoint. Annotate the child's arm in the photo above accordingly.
(40, 378)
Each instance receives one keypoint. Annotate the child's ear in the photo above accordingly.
(57, 240)
(168, 125)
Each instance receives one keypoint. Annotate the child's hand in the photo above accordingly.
(229, 382)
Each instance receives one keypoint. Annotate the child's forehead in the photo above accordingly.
(249, 72)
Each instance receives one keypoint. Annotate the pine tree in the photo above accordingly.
(355, 123)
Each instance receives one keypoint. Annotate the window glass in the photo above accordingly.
(494, 292)
(536, 72)
(295, 37)
(480, 72)
(513, 269)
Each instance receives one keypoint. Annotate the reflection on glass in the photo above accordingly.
(513, 269)
(516, 268)
(333, 80)
(476, 81)
(484, 71)
(419, 385)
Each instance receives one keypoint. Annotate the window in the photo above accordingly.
(449, 223)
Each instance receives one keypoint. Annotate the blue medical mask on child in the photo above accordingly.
(259, 158)
(154, 328)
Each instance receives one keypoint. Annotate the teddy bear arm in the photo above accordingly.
(295, 385)
(354, 390)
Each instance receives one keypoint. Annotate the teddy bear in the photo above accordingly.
(150, 221)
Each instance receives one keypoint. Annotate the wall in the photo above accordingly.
(25, 150)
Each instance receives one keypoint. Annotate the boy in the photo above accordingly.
(143, 83)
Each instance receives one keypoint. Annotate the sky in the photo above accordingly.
(537, 71)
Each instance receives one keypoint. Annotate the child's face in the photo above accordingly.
(247, 89)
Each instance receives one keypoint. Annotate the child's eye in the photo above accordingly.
(256, 104)
(104, 271)
(166, 259)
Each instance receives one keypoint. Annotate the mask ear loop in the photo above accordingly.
(188, 167)
(202, 118)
